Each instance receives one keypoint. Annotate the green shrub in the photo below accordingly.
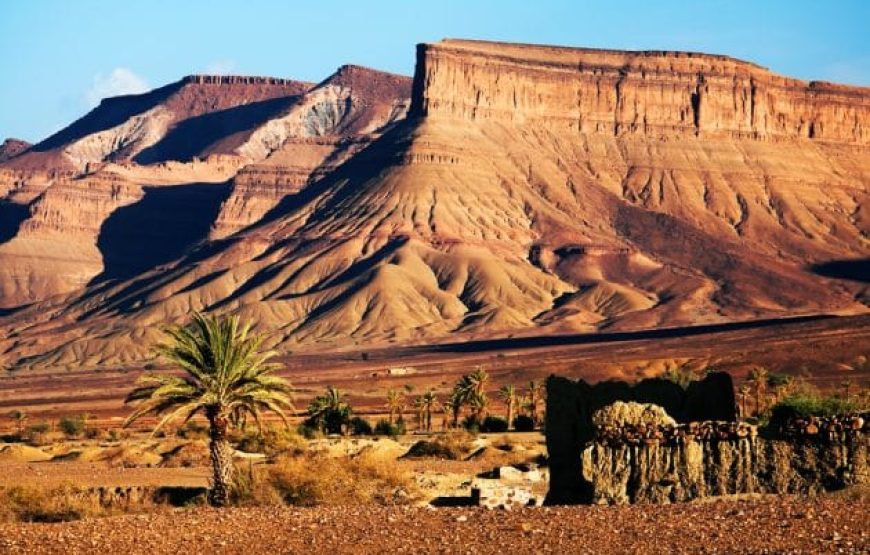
(523, 423)
(360, 426)
(72, 426)
(41, 428)
(384, 428)
(802, 406)
(471, 424)
(493, 424)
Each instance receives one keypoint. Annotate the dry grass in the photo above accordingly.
(455, 446)
(57, 504)
(311, 479)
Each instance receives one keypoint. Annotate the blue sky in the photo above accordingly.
(61, 56)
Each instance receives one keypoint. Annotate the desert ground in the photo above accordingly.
(737, 524)
(758, 526)
(825, 350)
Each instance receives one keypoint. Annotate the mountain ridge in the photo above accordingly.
(527, 193)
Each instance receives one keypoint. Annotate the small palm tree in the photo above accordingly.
(19, 416)
(395, 404)
(330, 411)
(508, 394)
(758, 377)
(471, 389)
(226, 376)
(479, 405)
(428, 402)
(744, 392)
(534, 394)
(454, 405)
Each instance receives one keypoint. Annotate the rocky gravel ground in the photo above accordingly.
(780, 525)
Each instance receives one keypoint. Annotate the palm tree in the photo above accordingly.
(471, 389)
(330, 411)
(19, 416)
(534, 394)
(508, 394)
(395, 404)
(428, 403)
(479, 405)
(446, 412)
(758, 377)
(226, 376)
(744, 395)
(454, 404)
(417, 405)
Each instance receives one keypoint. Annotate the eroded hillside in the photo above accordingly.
(531, 190)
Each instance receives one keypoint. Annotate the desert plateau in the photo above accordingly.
(465, 296)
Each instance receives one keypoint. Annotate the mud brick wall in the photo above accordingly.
(570, 405)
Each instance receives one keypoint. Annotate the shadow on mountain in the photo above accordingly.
(12, 215)
(534, 342)
(857, 269)
(193, 135)
(110, 113)
(161, 227)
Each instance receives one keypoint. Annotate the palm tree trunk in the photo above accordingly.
(510, 414)
(221, 457)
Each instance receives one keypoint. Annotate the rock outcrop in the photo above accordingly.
(647, 93)
(12, 148)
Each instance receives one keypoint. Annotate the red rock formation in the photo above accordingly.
(533, 190)
(647, 93)
(12, 148)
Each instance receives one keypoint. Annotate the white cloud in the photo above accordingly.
(119, 82)
(221, 67)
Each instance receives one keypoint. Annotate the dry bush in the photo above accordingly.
(59, 504)
(310, 479)
(195, 453)
(453, 446)
(272, 440)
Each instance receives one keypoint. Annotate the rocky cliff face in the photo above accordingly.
(650, 93)
(12, 148)
(670, 473)
(532, 190)
(324, 128)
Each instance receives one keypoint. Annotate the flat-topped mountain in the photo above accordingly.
(531, 190)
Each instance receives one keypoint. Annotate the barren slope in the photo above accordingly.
(159, 168)
(534, 190)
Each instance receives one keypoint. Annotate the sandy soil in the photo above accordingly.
(94, 474)
(761, 526)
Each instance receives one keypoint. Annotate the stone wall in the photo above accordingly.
(662, 473)
(570, 406)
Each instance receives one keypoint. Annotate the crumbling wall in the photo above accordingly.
(570, 406)
(664, 473)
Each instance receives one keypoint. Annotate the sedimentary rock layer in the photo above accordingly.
(531, 190)
(644, 93)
